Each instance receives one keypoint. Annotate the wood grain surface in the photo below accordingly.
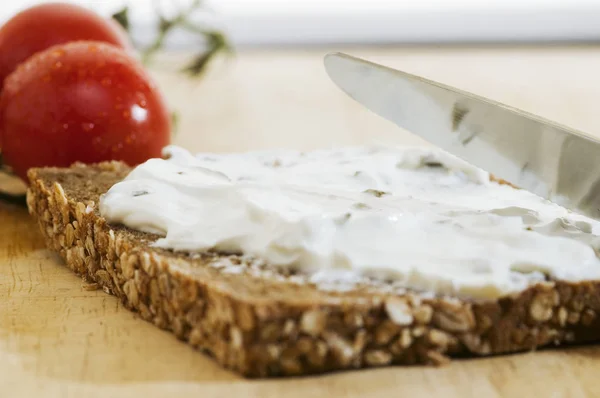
(58, 339)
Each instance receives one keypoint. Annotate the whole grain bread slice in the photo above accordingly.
(261, 322)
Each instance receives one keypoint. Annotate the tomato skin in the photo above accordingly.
(42, 26)
(81, 101)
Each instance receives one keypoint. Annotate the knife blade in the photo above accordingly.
(553, 161)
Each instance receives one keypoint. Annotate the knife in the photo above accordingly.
(550, 160)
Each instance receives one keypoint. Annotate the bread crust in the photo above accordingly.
(270, 325)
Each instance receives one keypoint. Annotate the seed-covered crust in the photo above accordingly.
(262, 322)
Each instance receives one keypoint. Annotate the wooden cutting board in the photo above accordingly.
(58, 339)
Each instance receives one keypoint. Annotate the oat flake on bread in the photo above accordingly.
(416, 216)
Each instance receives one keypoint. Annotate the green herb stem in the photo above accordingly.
(215, 41)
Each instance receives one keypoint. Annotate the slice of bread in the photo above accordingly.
(261, 322)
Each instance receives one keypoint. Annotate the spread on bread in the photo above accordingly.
(412, 215)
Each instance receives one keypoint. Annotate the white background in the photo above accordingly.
(302, 22)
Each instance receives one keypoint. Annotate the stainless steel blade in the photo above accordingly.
(550, 160)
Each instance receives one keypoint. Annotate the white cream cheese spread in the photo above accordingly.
(415, 216)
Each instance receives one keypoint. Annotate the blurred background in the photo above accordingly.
(539, 55)
(322, 22)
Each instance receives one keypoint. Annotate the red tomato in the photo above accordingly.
(42, 26)
(81, 101)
